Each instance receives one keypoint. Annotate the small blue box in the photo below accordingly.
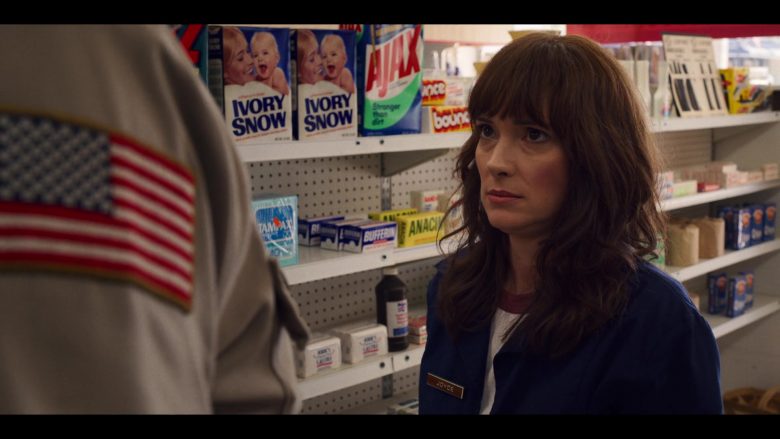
(309, 229)
(717, 286)
(770, 211)
(756, 223)
(741, 221)
(736, 298)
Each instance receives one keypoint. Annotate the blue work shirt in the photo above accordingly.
(659, 356)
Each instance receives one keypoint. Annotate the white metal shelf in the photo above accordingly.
(362, 145)
(421, 142)
(350, 375)
(763, 306)
(380, 407)
(730, 258)
(316, 263)
(354, 374)
(722, 194)
(703, 123)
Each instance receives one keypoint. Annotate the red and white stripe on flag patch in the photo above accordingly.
(77, 199)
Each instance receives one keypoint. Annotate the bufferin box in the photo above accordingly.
(375, 235)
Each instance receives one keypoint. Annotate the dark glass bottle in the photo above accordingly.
(392, 309)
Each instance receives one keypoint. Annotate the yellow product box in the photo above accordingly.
(446, 119)
(417, 229)
(391, 215)
(742, 94)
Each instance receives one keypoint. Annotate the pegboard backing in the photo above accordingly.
(685, 148)
(407, 380)
(434, 174)
(417, 275)
(342, 299)
(337, 300)
(344, 399)
(677, 149)
(343, 185)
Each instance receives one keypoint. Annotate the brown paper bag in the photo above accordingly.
(712, 237)
(683, 245)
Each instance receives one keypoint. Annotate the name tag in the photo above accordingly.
(445, 386)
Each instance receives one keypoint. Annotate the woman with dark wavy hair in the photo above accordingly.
(549, 304)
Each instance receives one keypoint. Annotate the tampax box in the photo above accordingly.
(361, 340)
(417, 229)
(717, 294)
(276, 220)
(735, 304)
(389, 58)
(446, 119)
(249, 76)
(322, 352)
(325, 91)
(374, 235)
(309, 229)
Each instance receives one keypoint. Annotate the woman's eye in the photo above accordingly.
(485, 130)
(535, 135)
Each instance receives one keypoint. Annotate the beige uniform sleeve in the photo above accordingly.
(82, 344)
(255, 370)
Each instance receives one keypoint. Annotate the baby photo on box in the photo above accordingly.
(250, 80)
(325, 105)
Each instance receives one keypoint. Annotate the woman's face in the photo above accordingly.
(524, 175)
(311, 66)
(240, 68)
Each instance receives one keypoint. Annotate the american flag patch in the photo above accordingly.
(82, 200)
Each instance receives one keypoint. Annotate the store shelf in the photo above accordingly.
(379, 407)
(730, 258)
(708, 197)
(361, 145)
(316, 263)
(702, 123)
(420, 142)
(352, 374)
(763, 306)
